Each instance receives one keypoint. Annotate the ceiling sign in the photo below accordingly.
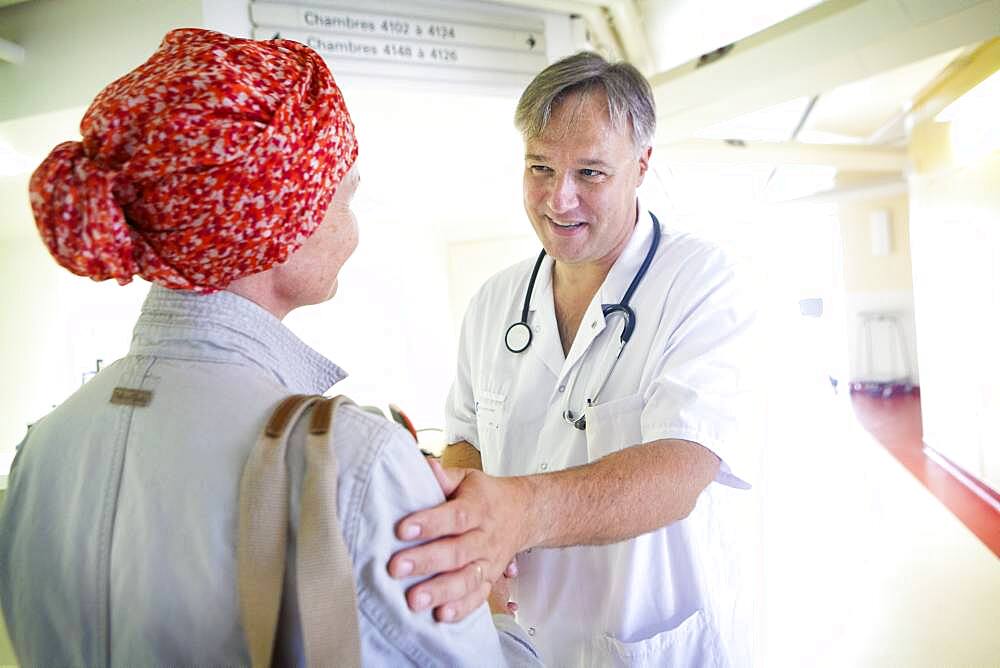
(412, 40)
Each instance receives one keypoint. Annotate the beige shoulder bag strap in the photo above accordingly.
(327, 599)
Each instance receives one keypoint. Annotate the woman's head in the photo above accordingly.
(310, 275)
(214, 160)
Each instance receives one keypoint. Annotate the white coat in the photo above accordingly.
(670, 597)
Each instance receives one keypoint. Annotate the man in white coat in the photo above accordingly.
(600, 388)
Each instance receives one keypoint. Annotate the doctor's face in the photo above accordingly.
(580, 180)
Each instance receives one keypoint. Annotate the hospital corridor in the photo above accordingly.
(829, 170)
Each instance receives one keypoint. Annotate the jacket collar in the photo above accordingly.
(223, 326)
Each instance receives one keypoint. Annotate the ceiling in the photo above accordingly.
(679, 30)
(751, 70)
(856, 120)
(807, 88)
(862, 112)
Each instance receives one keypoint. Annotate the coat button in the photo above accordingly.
(531, 631)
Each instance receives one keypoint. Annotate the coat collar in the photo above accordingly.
(612, 291)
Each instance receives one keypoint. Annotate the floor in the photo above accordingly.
(895, 423)
(864, 564)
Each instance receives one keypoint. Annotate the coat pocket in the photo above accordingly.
(693, 642)
(491, 417)
(613, 426)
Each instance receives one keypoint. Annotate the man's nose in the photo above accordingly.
(563, 195)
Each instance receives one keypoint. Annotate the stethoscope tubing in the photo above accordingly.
(518, 336)
(521, 327)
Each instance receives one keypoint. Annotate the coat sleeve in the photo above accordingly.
(460, 409)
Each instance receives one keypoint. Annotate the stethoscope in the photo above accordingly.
(518, 336)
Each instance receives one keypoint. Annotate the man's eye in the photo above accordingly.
(590, 173)
(540, 169)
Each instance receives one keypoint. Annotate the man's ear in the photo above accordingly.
(644, 157)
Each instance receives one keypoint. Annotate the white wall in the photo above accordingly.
(64, 67)
(878, 285)
(470, 263)
(389, 325)
(955, 209)
(55, 326)
(436, 168)
(885, 350)
(956, 246)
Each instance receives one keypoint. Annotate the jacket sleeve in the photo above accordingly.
(401, 482)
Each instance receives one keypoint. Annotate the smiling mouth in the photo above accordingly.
(565, 226)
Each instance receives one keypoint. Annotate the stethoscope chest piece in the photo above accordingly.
(518, 337)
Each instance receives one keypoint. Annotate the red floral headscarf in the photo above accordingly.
(213, 160)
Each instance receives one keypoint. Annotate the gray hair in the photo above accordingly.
(630, 97)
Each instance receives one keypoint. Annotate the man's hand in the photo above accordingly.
(472, 538)
(486, 520)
